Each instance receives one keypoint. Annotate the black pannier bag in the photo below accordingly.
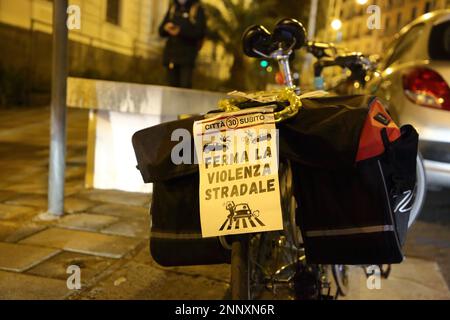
(354, 175)
(175, 235)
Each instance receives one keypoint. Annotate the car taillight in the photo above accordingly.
(427, 88)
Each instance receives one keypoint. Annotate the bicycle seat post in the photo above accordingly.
(283, 64)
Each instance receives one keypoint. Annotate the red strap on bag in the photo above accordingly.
(371, 142)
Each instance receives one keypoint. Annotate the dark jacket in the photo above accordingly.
(183, 49)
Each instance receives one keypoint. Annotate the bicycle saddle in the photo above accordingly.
(287, 31)
(256, 37)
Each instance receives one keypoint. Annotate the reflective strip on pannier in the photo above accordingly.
(349, 231)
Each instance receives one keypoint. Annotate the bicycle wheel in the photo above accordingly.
(340, 274)
(419, 191)
(248, 276)
(254, 257)
(271, 265)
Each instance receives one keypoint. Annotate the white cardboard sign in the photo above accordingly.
(238, 164)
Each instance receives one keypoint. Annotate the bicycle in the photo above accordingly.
(274, 263)
(270, 263)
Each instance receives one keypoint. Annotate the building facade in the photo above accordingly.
(355, 34)
(117, 40)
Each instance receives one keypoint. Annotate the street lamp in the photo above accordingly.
(336, 24)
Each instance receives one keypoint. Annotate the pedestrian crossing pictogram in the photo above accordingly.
(241, 217)
(246, 223)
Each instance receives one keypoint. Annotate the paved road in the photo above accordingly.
(105, 233)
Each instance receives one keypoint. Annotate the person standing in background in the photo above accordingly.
(184, 25)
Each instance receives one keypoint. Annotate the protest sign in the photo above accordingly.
(238, 164)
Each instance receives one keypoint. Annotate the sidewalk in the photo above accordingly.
(105, 233)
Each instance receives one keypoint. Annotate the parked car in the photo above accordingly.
(414, 77)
